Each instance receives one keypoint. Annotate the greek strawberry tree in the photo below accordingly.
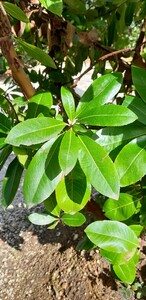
(77, 150)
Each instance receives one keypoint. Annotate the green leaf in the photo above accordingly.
(139, 80)
(43, 173)
(5, 124)
(126, 272)
(11, 182)
(130, 162)
(76, 6)
(34, 131)
(76, 219)
(4, 154)
(137, 106)
(55, 6)
(85, 244)
(68, 152)
(2, 142)
(41, 219)
(98, 167)
(51, 205)
(101, 91)
(15, 12)
(129, 14)
(112, 137)
(113, 258)
(112, 236)
(68, 103)
(137, 229)
(37, 54)
(122, 209)
(39, 104)
(108, 115)
(52, 226)
(73, 191)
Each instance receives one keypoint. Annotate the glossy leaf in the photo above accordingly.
(34, 131)
(68, 103)
(11, 182)
(43, 174)
(112, 236)
(73, 191)
(15, 11)
(130, 162)
(139, 80)
(98, 167)
(113, 258)
(55, 6)
(101, 91)
(5, 124)
(39, 104)
(68, 152)
(37, 54)
(41, 219)
(112, 137)
(107, 115)
(76, 219)
(126, 272)
(51, 205)
(122, 209)
(137, 106)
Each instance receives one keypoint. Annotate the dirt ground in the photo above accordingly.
(41, 264)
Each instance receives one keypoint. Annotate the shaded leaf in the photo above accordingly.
(37, 54)
(51, 205)
(76, 219)
(112, 236)
(40, 103)
(4, 154)
(15, 12)
(41, 219)
(73, 191)
(85, 244)
(139, 80)
(98, 167)
(5, 124)
(43, 173)
(137, 106)
(11, 182)
(112, 137)
(34, 131)
(130, 162)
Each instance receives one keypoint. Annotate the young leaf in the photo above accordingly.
(112, 236)
(68, 103)
(130, 162)
(41, 219)
(43, 173)
(51, 205)
(73, 191)
(11, 182)
(126, 272)
(98, 167)
(107, 115)
(139, 80)
(37, 54)
(5, 124)
(68, 152)
(137, 229)
(113, 258)
(137, 106)
(122, 209)
(40, 103)
(112, 137)
(55, 6)
(101, 91)
(76, 219)
(15, 12)
(34, 131)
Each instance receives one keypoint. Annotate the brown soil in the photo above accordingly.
(41, 264)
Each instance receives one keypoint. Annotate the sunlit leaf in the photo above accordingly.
(68, 103)
(76, 219)
(55, 6)
(41, 219)
(40, 103)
